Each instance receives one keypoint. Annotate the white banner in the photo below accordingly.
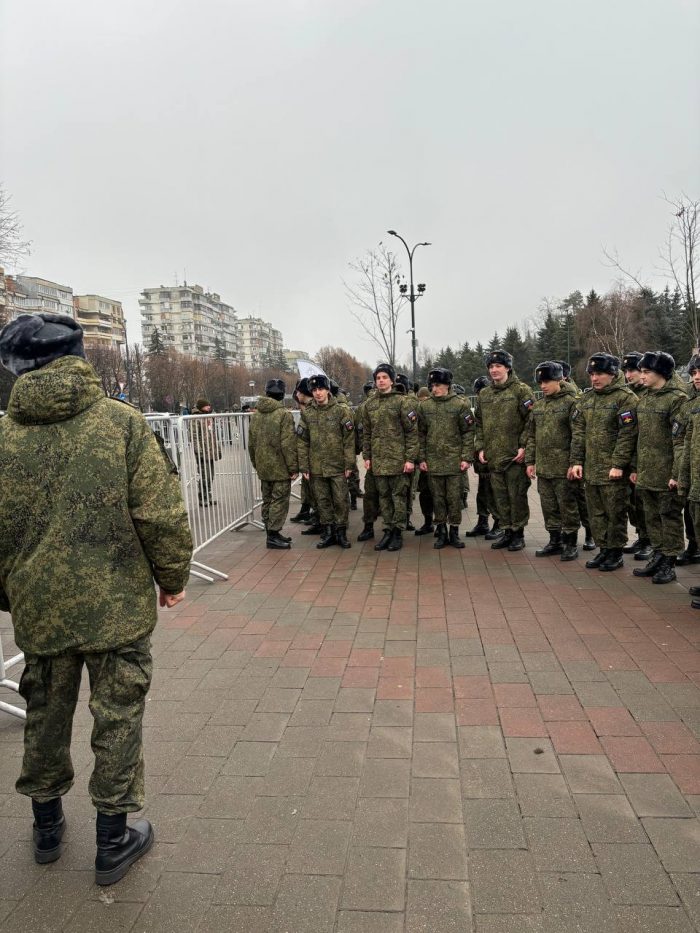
(308, 368)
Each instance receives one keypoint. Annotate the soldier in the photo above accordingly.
(485, 505)
(205, 446)
(461, 393)
(566, 369)
(390, 448)
(547, 457)
(689, 474)
(602, 452)
(370, 502)
(641, 546)
(306, 514)
(326, 452)
(90, 513)
(404, 386)
(446, 434)
(272, 448)
(502, 420)
(691, 554)
(354, 490)
(579, 488)
(659, 448)
(425, 499)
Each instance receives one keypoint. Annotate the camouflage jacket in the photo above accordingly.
(549, 435)
(660, 416)
(604, 431)
(272, 442)
(326, 439)
(446, 434)
(689, 469)
(389, 433)
(202, 433)
(502, 421)
(90, 513)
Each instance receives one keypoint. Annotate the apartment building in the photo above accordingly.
(259, 343)
(102, 320)
(190, 320)
(34, 294)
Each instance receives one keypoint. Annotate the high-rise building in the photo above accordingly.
(102, 320)
(190, 321)
(259, 343)
(34, 294)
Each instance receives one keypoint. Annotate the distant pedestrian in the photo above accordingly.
(207, 450)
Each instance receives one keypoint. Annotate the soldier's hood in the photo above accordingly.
(266, 405)
(565, 389)
(55, 392)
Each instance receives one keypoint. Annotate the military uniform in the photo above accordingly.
(689, 469)
(502, 421)
(370, 501)
(326, 449)
(604, 436)
(636, 505)
(272, 448)
(90, 513)
(389, 440)
(206, 448)
(446, 435)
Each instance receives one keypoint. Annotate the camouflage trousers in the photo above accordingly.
(484, 495)
(580, 493)
(635, 512)
(663, 516)
(392, 500)
(307, 494)
(354, 483)
(694, 511)
(425, 497)
(447, 497)
(559, 503)
(206, 478)
(411, 487)
(510, 496)
(607, 512)
(119, 682)
(275, 504)
(370, 503)
(331, 494)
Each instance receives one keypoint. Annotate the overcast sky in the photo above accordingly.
(258, 147)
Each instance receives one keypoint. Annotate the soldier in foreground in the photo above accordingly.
(502, 420)
(603, 445)
(641, 546)
(307, 513)
(90, 514)
(485, 505)
(370, 501)
(446, 433)
(547, 457)
(272, 448)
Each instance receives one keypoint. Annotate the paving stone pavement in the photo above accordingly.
(352, 742)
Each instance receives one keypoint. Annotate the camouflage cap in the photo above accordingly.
(603, 363)
(500, 358)
(658, 362)
(423, 392)
(549, 371)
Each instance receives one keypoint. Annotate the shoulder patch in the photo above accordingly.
(574, 414)
(468, 419)
(411, 415)
(300, 430)
(677, 429)
(349, 426)
(627, 417)
(528, 403)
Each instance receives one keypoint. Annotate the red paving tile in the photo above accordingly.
(329, 667)
(433, 677)
(514, 695)
(398, 667)
(522, 723)
(476, 713)
(473, 687)
(395, 689)
(365, 657)
(628, 754)
(560, 707)
(671, 738)
(359, 677)
(434, 700)
(612, 720)
(574, 738)
(685, 771)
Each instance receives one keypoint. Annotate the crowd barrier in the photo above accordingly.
(10, 684)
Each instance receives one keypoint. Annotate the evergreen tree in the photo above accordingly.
(220, 351)
(156, 345)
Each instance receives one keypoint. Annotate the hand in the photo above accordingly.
(423, 466)
(305, 475)
(633, 478)
(520, 456)
(168, 600)
(615, 473)
(348, 474)
(530, 470)
(368, 464)
(672, 484)
(464, 465)
(482, 458)
(294, 476)
(409, 466)
(577, 471)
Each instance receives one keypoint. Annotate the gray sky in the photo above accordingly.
(260, 146)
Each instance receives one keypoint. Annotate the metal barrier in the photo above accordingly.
(10, 684)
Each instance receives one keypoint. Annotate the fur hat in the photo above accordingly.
(385, 368)
(303, 386)
(402, 383)
(439, 376)
(35, 340)
(565, 367)
(500, 357)
(275, 388)
(603, 363)
(658, 362)
(549, 371)
(202, 403)
(694, 363)
(631, 360)
(458, 389)
(367, 387)
(480, 383)
(319, 382)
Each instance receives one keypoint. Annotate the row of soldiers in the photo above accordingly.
(621, 449)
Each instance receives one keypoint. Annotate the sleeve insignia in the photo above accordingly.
(528, 403)
(574, 414)
(411, 415)
(676, 428)
(349, 426)
(300, 430)
(469, 419)
(627, 417)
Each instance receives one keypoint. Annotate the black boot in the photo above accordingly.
(554, 546)
(276, 542)
(327, 538)
(341, 537)
(596, 561)
(383, 542)
(454, 537)
(695, 603)
(496, 531)
(633, 547)
(410, 526)
(481, 527)
(315, 529)
(588, 542)
(367, 532)
(427, 528)
(353, 502)
(613, 560)
(646, 551)
(48, 829)
(570, 548)
(517, 540)
(303, 513)
(440, 536)
(690, 555)
(665, 572)
(651, 567)
(396, 542)
(119, 845)
(503, 540)
(693, 590)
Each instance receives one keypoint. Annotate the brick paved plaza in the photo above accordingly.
(352, 742)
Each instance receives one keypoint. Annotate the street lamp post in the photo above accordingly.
(411, 295)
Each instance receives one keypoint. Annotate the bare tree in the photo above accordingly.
(12, 246)
(375, 298)
(613, 324)
(680, 257)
